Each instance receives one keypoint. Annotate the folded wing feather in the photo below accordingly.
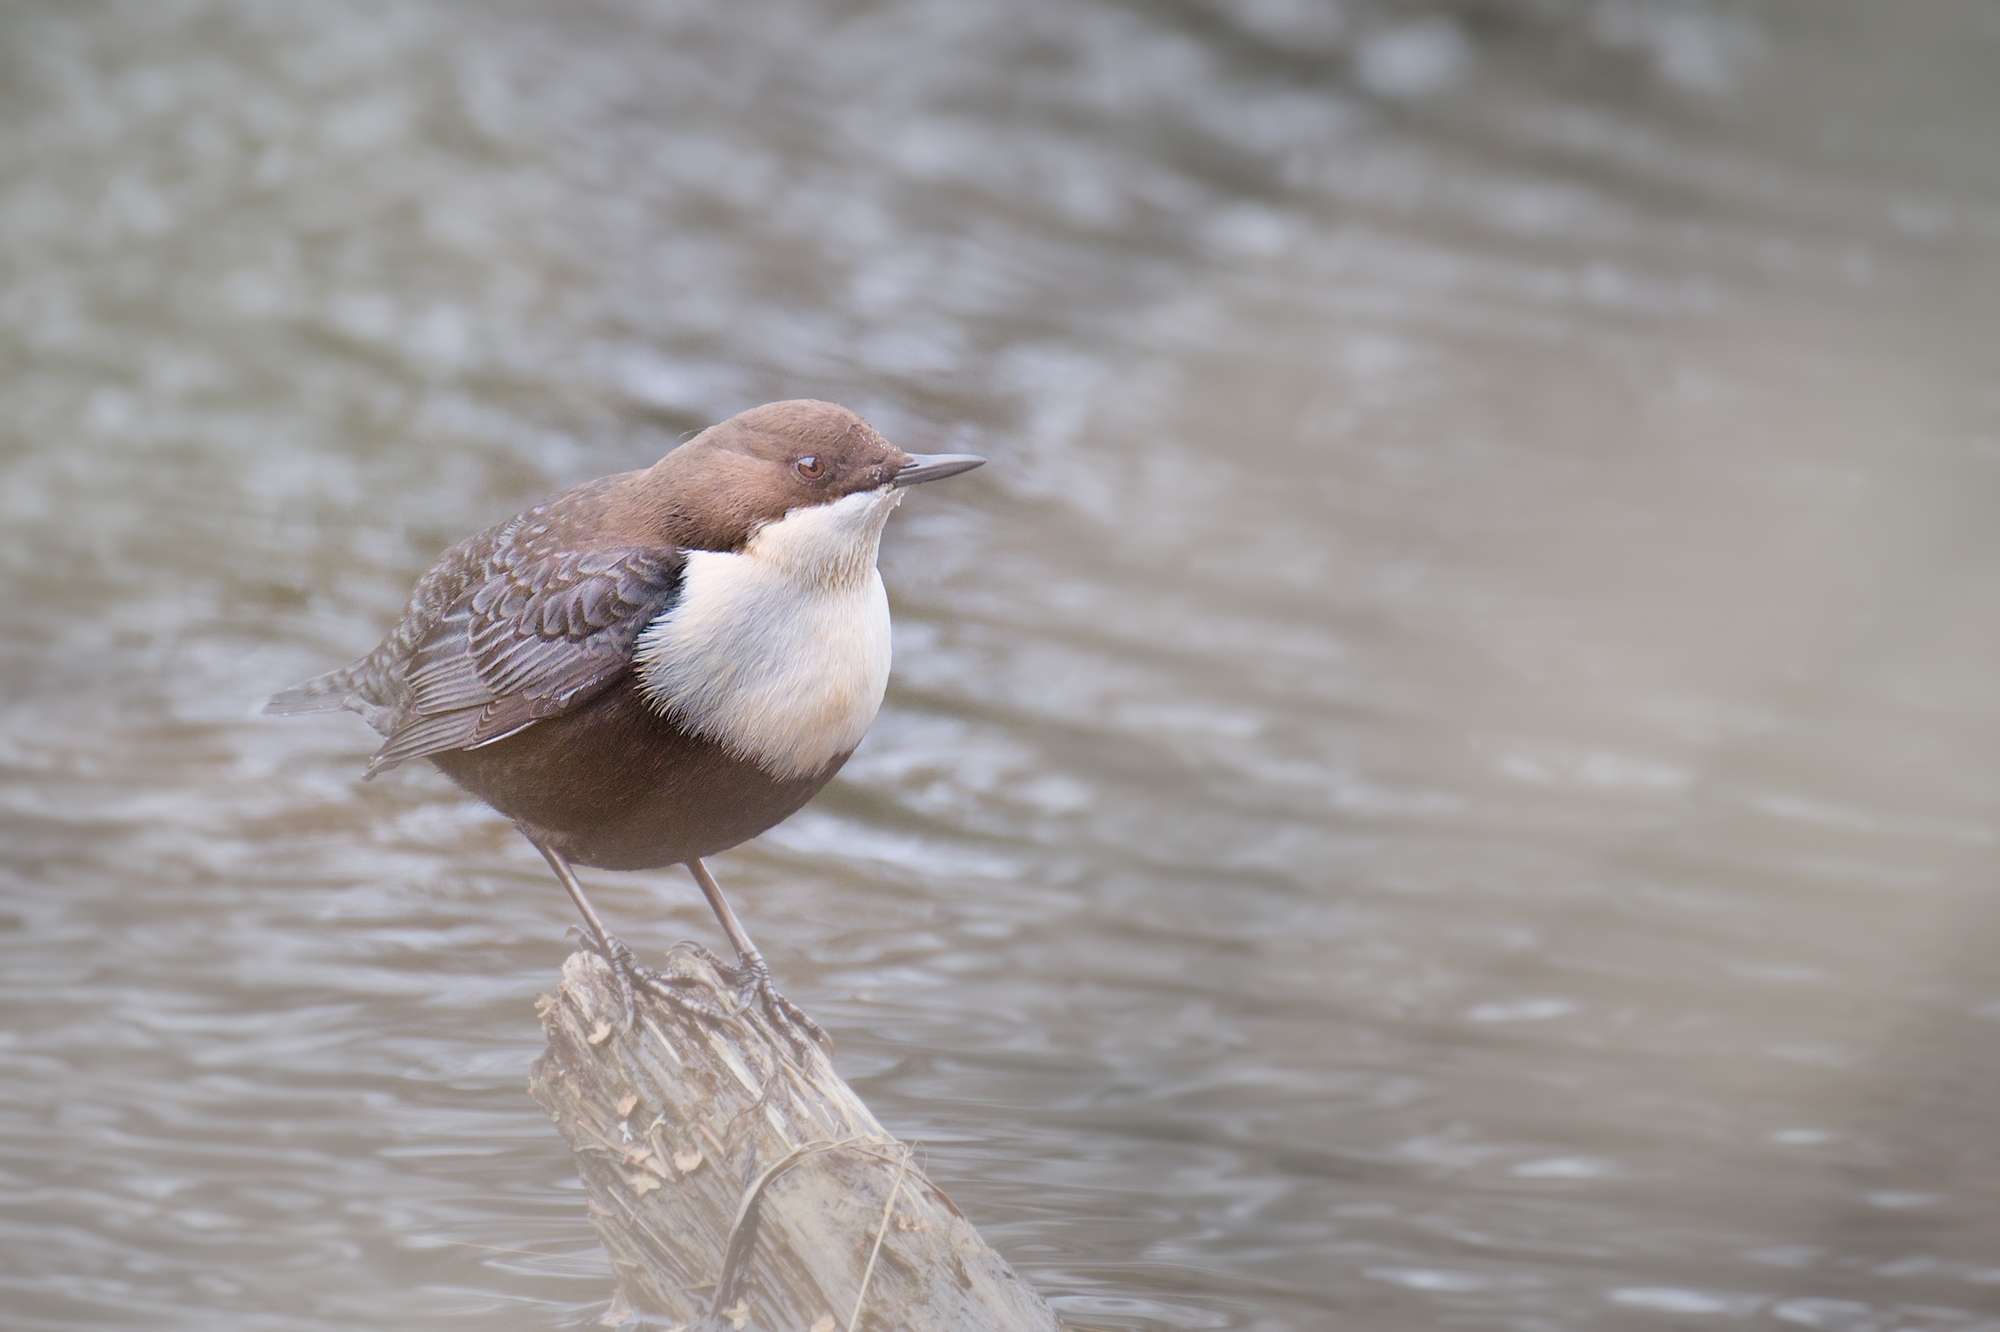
(539, 634)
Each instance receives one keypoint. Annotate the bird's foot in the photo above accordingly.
(634, 978)
(752, 981)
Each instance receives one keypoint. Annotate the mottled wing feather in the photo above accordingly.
(519, 623)
(539, 633)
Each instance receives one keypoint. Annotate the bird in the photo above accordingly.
(653, 667)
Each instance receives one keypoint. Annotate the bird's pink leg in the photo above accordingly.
(625, 968)
(752, 975)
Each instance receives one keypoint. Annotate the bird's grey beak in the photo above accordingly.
(924, 467)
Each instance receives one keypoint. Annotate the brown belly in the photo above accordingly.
(615, 785)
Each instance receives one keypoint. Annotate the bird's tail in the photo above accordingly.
(323, 693)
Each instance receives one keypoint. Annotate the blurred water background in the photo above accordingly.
(1445, 776)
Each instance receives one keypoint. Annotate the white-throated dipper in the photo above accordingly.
(653, 667)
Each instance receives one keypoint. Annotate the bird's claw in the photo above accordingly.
(633, 978)
(751, 978)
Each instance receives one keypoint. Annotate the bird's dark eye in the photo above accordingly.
(810, 467)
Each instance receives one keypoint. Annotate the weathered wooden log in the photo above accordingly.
(738, 1183)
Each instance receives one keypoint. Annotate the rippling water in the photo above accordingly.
(1444, 777)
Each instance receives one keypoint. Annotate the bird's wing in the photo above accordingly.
(531, 634)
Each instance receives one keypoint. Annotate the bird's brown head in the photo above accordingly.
(715, 491)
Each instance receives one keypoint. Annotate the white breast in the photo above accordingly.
(780, 653)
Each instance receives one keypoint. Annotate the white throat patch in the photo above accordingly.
(780, 653)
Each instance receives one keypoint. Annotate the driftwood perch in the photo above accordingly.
(739, 1184)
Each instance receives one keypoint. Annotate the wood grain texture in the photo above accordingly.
(739, 1184)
